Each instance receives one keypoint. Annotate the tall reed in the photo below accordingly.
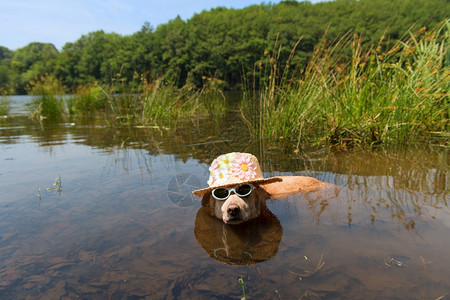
(391, 96)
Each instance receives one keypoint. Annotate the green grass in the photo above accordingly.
(392, 96)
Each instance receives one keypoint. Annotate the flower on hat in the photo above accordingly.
(214, 165)
(221, 176)
(244, 168)
(217, 174)
(233, 169)
(226, 160)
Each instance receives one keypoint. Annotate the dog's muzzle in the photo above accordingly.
(233, 210)
(234, 214)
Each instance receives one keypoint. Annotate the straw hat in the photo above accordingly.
(248, 243)
(233, 169)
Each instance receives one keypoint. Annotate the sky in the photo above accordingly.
(62, 21)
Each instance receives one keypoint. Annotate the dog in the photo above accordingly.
(238, 191)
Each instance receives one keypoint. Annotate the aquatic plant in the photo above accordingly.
(212, 100)
(47, 97)
(4, 106)
(241, 282)
(57, 184)
(90, 97)
(164, 103)
(393, 94)
(309, 269)
(145, 102)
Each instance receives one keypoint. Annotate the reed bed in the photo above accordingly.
(395, 93)
(154, 102)
(166, 103)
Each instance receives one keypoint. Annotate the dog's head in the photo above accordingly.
(236, 209)
(242, 170)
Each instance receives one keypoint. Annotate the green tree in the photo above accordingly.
(31, 62)
(91, 58)
(5, 66)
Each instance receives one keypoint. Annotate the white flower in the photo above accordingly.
(226, 160)
(221, 176)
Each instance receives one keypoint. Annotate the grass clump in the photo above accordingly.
(4, 106)
(48, 98)
(162, 103)
(391, 96)
(90, 97)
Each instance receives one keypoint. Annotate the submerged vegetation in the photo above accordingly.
(391, 96)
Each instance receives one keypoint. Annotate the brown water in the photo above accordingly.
(91, 211)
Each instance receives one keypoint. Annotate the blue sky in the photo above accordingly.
(62, 21)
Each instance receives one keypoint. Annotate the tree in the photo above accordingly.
(31, 62)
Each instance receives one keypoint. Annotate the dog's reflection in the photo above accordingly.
(244, 244)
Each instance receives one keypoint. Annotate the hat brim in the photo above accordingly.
(202, 192)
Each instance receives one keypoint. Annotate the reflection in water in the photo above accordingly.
(245, 244)
(121, 228)
(378, 198)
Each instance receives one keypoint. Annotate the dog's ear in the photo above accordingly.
(291, 185)
(205, 199)
(208, 203)
(263, 195)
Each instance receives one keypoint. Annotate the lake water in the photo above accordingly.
(92, 211)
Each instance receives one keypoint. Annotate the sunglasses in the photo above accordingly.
(242, 190)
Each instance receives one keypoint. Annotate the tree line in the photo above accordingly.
(223, 44)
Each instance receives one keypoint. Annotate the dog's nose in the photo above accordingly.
(233, 210)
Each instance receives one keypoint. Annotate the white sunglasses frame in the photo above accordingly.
(233, 189)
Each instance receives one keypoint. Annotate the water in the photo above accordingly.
(92, 211)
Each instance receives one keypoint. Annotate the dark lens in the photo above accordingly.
(220, 193)
(243, 189)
